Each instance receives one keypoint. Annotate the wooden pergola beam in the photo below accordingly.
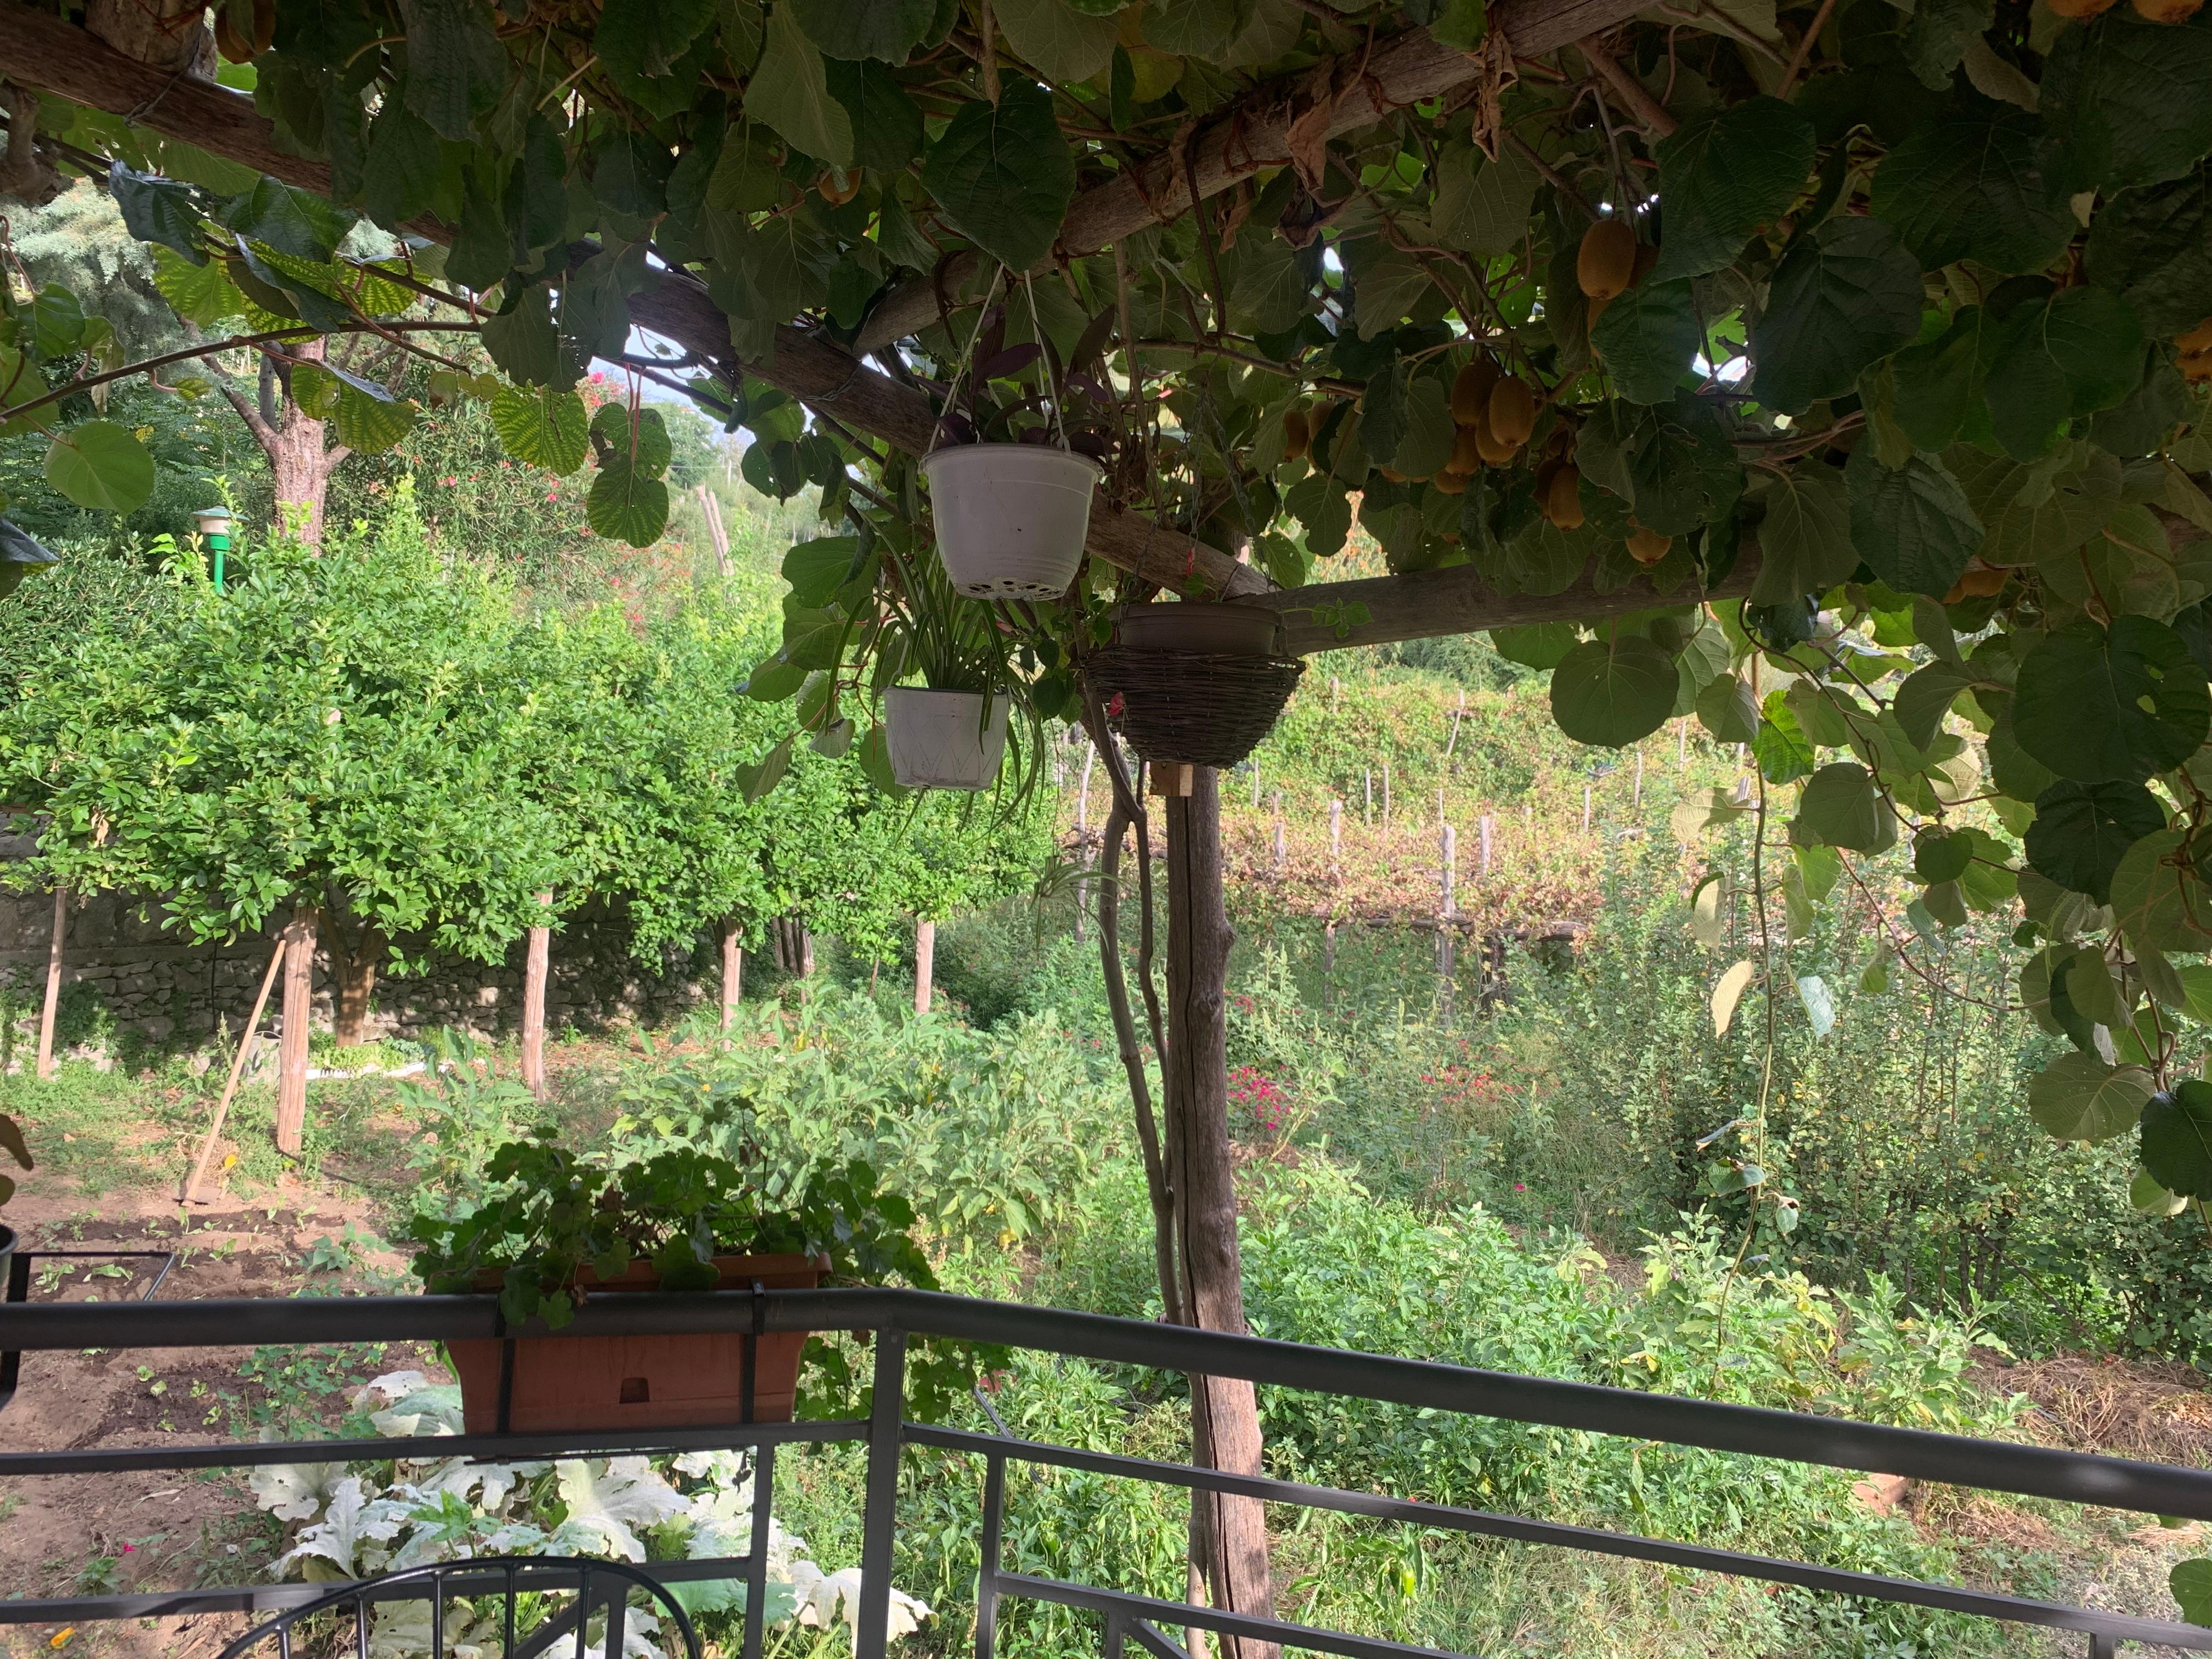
(43, 52)
(1426, 604)
(1355, 91)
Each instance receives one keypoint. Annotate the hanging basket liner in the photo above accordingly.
(1192, 707)
(1010, 518)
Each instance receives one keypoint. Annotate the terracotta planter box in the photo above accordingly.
(639, 1382)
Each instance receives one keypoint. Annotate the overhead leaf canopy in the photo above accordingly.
(1896, 319)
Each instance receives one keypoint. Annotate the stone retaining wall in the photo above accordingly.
(122, 972)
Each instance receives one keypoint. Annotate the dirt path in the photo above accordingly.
(83, 1535)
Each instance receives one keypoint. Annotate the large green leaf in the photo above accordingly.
(1613, 691)
(1481, 205)
(526, 345)
(294, 222)
(157, 209)
(888, 29)
(370, 425)
(1053, 38)
(2079, 1097)
(2072, 355)
(640, 40)
(1805, 539)
(1846, 295)
(2112, 705)
(1195, 28)
(790, 93)
(2082, 830)
(1270, 289)
(886, 124)
(541, 427)
(1003, 177)
(1840, 807)
(456, 67)
(2158, 900)
(101, 465)
(1912, 524)
(2129, 102)
(1937, 384)
(1647, 337)
(1724, 175)
(2177, 1139)
(201, 295)
(1971, 185)
(625, 504)
(640, 437)
(2154, 247)
(400, 176)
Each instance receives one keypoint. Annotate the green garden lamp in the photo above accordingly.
(215, 525)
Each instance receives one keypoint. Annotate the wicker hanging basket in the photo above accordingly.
(1194, 685)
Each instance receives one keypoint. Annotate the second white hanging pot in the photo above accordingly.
(1010, 518)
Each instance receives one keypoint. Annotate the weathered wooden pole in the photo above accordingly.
(299, 937)
(1638, 801)
(1282, 851)
(46, 1014)
(1446, 911)
(1229, 1535)
(733, 965)
(924, 961)
(1082, 829)
(1335, 838)
(246, 1039)
(1487, 832)
(537, 964)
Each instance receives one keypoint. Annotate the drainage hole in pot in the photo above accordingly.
(636, 1391)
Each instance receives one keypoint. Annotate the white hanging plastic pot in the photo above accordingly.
(1010, 518)
(939, 740)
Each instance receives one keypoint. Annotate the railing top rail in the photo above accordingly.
(1794, 1437)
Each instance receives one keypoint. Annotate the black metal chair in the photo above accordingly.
(599, 1587)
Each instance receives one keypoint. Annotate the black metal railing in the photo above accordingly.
(892, 1315)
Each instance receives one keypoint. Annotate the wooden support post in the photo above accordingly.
(1452, 741)
(1449, 909)
(710, 509)
(1229, 1535)
(1336, 838)
(1586, 809)
(924, 961)
(1282, 846)
(1368, 772)
(1639, 802)
(536, 962)
(47, 1013)
(1083, 831)
(298, 949)
(246, 1039)
(733, 969)
(1386, 795)
(1487, 830)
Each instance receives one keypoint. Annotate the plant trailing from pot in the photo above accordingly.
(952, 731)
(554, 1228)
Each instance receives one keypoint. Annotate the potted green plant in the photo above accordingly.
(11, 1137)
(555, 1229)
(950, 731)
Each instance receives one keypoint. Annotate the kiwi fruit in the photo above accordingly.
(2167, 11)
(2197, 339)
(1512, 411)
(1470, 392)
(1562, 497)
(234, 47)
(839, 188)
(1493, 450)
(1451, 483)
(1648, 546)
(1298, 435)
(1605, 264)
(1467, 449)
(2079, 8)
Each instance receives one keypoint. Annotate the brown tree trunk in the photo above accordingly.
(299, 1009)
(924, 961)
(733, 971)
(353, 974)
(1229, 1535)
(536, 965)
(300, 468)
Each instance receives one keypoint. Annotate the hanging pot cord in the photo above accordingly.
(952, 387)
(1051, 373)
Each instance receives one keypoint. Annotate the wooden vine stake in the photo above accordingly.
(246, 1039)
(53, 984)
(733, 971)
(924, 961)
(536, 965)
(299, 953)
